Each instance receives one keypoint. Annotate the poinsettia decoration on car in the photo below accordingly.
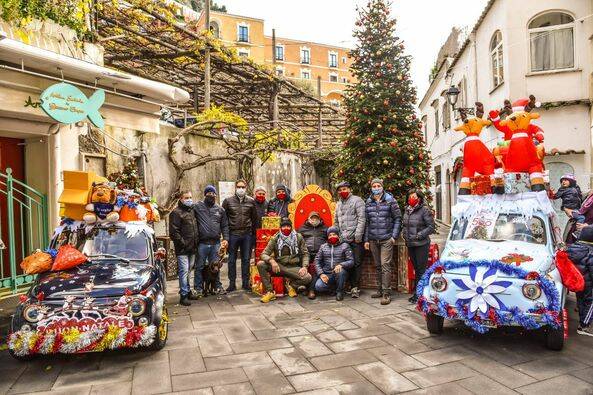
(480, 289)
(517, 259)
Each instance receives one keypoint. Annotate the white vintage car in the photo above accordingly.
(498, 268)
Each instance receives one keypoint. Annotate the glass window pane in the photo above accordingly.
(563, 49)
(551, 19)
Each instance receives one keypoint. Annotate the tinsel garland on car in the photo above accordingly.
(550, 315)
(72, 340)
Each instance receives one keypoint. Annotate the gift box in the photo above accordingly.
(516, 183)
(278, 285)
(270, 223)
(481, 185)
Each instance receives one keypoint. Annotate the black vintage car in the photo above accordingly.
(115, 300)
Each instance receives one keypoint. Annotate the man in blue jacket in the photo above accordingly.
(212, 224)
(383, 225)
(332, 263)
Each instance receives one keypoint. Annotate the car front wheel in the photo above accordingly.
(555, 337)
(434, 323)
(162, 332)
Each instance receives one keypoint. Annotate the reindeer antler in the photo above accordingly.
(507, 109)
(479, 109)
(531, 105)
(463, 115)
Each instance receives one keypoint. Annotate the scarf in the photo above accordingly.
(289, 241)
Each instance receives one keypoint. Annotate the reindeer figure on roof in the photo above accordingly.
(522, 155)
(477, 158)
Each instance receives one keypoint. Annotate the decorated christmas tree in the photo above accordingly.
(383, 136)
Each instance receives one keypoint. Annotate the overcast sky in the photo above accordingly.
(423, 24)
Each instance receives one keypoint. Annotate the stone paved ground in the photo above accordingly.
(236, 345)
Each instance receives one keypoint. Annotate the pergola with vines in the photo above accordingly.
(146, 38)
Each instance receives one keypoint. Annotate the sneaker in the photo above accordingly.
(268, 297)
(231, 288)
(355, 293)
(413, 299)
(386, 299)
(195, 295)
(301, 289)
(311, 295)
(184, 301)
(220, 291)
(377, 295)
(586, 331)
(339, 296)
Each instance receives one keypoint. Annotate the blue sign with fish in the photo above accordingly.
(67, 104)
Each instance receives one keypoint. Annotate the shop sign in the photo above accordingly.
(67, 104)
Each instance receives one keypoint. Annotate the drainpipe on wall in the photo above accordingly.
(54, 174)
(473, 39)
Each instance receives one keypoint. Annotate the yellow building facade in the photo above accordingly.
(302, 62)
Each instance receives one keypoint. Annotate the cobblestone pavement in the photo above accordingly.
(236, 345)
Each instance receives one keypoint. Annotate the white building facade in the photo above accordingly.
(517, 49)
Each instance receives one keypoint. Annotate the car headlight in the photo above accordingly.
(143, 321)
(32, 313)
(439, 283)
(137, 307)
(532, 291)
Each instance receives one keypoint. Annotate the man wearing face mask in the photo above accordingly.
(278, 206)
(261, 204)
(285, 255)
(383, 224)
(242, 216)
(212, 224)
(183, 230)
(350, 219)
(331, 263)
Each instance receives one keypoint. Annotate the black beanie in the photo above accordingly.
(586, 234)
(285, 222)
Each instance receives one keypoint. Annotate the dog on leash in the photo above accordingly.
(210, 273)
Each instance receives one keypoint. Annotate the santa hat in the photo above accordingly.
(519, 105)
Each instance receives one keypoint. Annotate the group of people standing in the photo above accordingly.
(199, 230)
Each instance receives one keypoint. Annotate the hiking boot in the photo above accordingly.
(377, 294)
(413, 299)
(339, 296)
(290, 290)
(268, 297)
(386, 299)
(301, 289)
(586, 331)
(311, 295)
(355, 293)
(184, 301)
(220, 291)
(231, 288)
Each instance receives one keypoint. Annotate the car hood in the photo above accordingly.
(100, 278)
(527, 256)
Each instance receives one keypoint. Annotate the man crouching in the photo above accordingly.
(285, 255)
(332, 263)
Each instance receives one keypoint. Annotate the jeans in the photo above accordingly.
(237, 242)
(184, 265)
(419, 257)
(356, 271)
(382, 252)
(336, 281)
(209, 253)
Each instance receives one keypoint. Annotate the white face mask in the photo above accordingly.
(240, 192)
(314, 221)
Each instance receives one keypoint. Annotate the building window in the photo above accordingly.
(306, 74)
(243, 34)
(551, 38)
(496, 59)
(438, 192)
(333, 59)
(305, 55)
(244, 53)
(344, 59)
(435, 106)
(215, 29)
(425, 127)
(446, 113)
(333, 77)
(279, 52)
(279, 71)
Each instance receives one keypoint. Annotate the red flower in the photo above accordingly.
(532, 276)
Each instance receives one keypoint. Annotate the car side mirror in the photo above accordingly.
(161, 253)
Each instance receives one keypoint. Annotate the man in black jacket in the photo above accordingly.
(183, 230)
(581, 254)
(212, 224)
(261, 204)
(314, 232)
(278, 206)
(242, 217)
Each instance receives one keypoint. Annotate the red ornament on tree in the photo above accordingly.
(369, 139)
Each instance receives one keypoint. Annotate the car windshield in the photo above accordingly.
(500, 227)
(108, 242)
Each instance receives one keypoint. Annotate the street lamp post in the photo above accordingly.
(452, 96)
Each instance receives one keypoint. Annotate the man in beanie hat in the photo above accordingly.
(331, 264)
(261, 204)
(285, 255)
(383, 224)
(581, 254)
(350, 219)
(213, 226)
(278, 206)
